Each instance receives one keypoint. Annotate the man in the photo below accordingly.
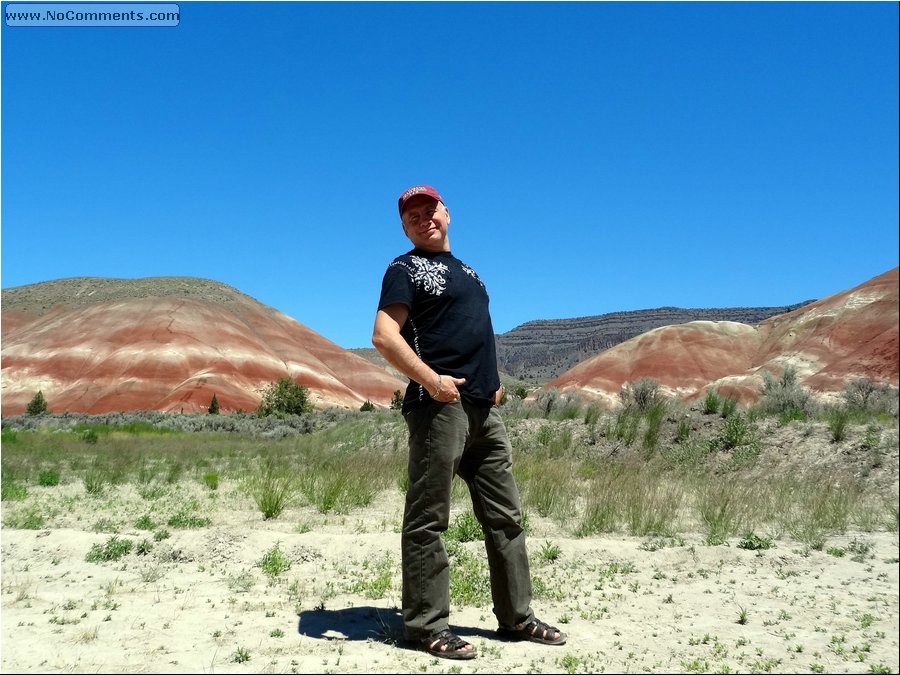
(434, 326)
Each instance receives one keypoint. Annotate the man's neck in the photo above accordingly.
(442, 248)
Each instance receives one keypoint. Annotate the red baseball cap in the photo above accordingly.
(414, 191)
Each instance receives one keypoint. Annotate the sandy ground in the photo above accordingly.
(200, 601)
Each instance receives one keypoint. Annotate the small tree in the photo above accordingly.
(367, 406)
(284, 397)
(213, 406)
(37, 405)
(397, 401)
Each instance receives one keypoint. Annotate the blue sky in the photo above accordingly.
(595, 157)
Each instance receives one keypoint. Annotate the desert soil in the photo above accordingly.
(200, 602)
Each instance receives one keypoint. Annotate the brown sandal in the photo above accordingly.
(446, 645)
(535, 631)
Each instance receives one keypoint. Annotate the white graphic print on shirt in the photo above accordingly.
(430, 275)
(468, 270)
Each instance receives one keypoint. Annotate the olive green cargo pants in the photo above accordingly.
(446, 439)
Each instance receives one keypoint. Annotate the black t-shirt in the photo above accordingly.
(449, 325)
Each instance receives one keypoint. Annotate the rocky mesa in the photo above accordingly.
(546, 348)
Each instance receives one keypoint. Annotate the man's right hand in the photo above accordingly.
(449, 388)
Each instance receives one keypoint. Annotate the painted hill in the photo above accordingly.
(846, 335)
(166, 343)
(544, 349)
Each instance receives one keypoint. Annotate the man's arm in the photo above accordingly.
(390, 344)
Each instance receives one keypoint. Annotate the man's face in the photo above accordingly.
(425, 222)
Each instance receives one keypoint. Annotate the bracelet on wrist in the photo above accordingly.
(440, 385)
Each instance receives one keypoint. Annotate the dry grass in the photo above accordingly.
(653, 559)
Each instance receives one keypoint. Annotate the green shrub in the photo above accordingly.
(863, 395)
(274, 562)
(241, 655)
(752, 542)
(465, 527)
(740, 438)
(143, 547)
(838, 419)
(785, 394)
(641, 394)
(113, 549)
(858, 392)
(729, 407)
(550, 552)
(284, 397)
(711, 403)
(48, 477)
(145, 522)
(735, 432)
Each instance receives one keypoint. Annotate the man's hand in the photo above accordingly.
(448, 388)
